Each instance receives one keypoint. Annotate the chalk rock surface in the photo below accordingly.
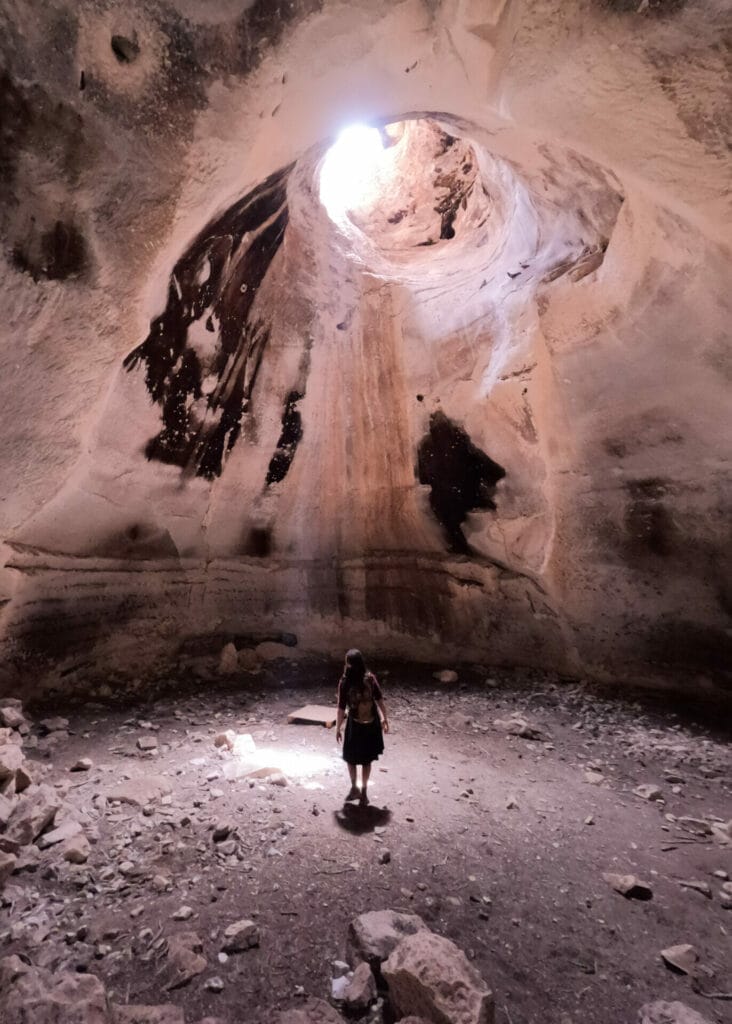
(428, 976)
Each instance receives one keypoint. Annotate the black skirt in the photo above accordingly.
(362, 744)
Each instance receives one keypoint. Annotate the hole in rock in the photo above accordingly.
(125, 50)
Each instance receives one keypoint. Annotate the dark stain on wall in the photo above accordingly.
(648, 521)
(289, 439)
(204, 391)
(56, 254)
(462, 477)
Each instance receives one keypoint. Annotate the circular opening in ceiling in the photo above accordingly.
(407, 185)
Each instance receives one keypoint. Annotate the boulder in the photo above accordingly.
(681, 959)
(184, 959)
(76, 850)
(32, 995)
(67, 830)
(23, 779)
(669, 1013)
(373, 936)
(428, 976)
(140, 791)
(33, 813)
(165, 1014)
(361, 990)
(228, 660)
(10, 716)
(240, 936)
(311, 1011)
(11, 759)
(629, 886)
(6, 809)
(84, 764)
(56, 724)
(647, 791)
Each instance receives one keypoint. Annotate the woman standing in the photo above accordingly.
(360, 695)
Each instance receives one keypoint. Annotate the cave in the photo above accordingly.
(391, 327)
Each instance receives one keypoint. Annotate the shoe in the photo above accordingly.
(353, 794)
(363, 799)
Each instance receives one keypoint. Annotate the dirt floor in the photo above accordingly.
(499, 842)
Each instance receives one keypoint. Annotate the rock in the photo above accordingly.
(6, 809)
(67, 830)
(10, 716)
(385, 857)
(183, 913)
(594, 778)
(57, 724)
(703, 887)
(23, 779)
(696, 825)
(225, 739)
(184, 959)
(84, 764)
(8, 862)
(669, 1013)
(373, 936)
(11, 759)
(146, 743)
(520, 727)
(228, 660)
(214, 985)
(429, 976)
(311, 1011)
(33, 813)
(648, 792)
(682, 958)
(32, 995)
(629, 886)
(447, 675)
(76, 850)
(361, 990)
(140, 791)
(165, 1014)
(222, 831)
(240, 936)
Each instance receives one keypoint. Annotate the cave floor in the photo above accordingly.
(497, 841)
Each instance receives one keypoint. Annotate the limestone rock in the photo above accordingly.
(447, 675)
(647, 791)
(184, 959)
(311, 1011)
(374, 935)
(228, 660)
(361, 990)
(140, 791)
(517, 726)
(33, 813)
(165, 1014)
(429, 976)
(11, 759)
(8, 862)
(84, 764)
(629, 886)
(32, 995)
(670, 1013)
(56, 724)
(147, 743)
(240, 936)
(6, 809)
(11, 716)
(67, 830)
(682, 958)
(76, 850)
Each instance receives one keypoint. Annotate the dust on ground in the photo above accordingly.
(498, 841)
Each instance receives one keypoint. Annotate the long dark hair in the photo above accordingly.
(354, 670)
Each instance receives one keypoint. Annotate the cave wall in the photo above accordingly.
(490, 427)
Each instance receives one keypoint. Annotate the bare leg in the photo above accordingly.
(365, 774)
(353, 794)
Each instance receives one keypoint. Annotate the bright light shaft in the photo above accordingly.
(349, 168)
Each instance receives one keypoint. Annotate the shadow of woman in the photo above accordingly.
(358, 820)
